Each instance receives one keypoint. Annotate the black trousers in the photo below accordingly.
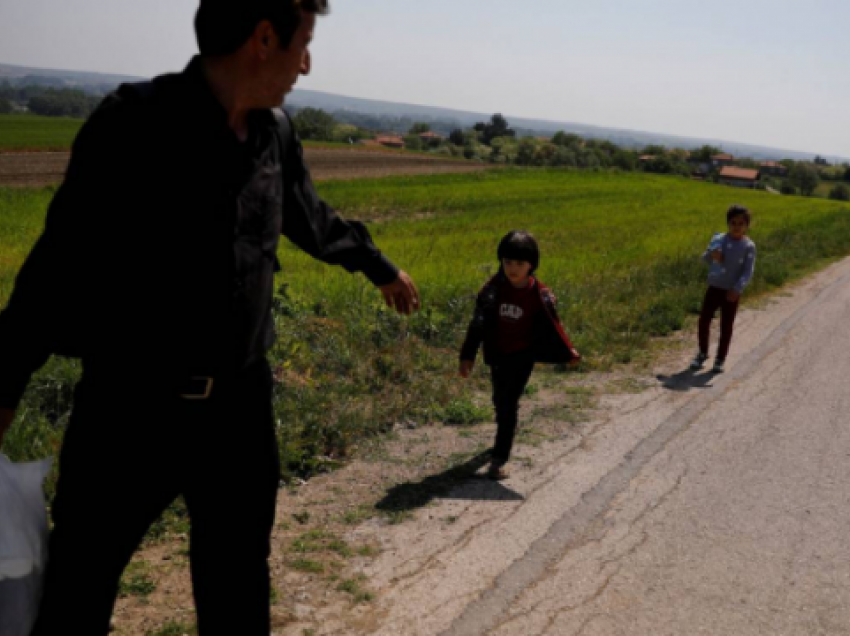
(125, 458)
(509, 374)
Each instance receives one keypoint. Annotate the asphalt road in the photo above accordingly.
(704, 505)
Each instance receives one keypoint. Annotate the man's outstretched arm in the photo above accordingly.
(317, 229)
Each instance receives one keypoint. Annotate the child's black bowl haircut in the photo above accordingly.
(518, 245)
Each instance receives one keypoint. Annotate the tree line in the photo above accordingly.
(493, 141)
(47, 101)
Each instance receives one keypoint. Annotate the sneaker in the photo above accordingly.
(699, 361)
(497, 472)
(718, 366)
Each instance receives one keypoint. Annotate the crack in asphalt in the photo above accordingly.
(483, 614)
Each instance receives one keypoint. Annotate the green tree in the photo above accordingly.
(624, 160)
(661, 164)
(413, 142)
(805, 177)
(840, 193)
(62, 103)
(525, 152)
(419, 128)
(565, 156)
(566, 139)
(315, 124)
(788, 188)
(457, 137)
(847, 174)
(5, 106)
(655, 149)
(703, 154)
(346, 133)
(497, 127)
(588, 159)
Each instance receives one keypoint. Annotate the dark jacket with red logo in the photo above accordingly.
(551, 343)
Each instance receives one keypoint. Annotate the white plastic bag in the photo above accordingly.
(23, 543)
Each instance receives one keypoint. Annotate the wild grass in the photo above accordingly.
(619, 250)
(32, 132)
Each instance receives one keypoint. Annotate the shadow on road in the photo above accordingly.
(686, 380)
(458, 482)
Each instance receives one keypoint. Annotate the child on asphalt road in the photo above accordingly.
(732, 260)
(516, 320)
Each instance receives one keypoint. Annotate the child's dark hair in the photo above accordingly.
(739, 210)
(519, 246)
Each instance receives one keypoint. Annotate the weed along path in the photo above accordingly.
(700, 505)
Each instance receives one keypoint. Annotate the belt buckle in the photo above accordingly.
(200, 395)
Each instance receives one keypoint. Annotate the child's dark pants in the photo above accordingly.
(715, 298)
(510, 375)
(127, 455)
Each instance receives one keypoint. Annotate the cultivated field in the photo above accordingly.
(36, 169)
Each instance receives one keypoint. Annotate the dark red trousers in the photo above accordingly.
(715, 298)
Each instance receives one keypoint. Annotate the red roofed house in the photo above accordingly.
(739, 177)
(428, 137)
(773, 168)
(390, 141)
(721, 160)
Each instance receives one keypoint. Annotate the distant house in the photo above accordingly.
(646, 158)
(738, 177)
(722, 160)
(773, 168)
(390, 141)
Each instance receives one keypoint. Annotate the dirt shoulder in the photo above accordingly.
(402, 539)
(36, 169)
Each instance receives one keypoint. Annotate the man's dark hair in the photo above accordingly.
(739, 210)
(519, 246)
(223, 26)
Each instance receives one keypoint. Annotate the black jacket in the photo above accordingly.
(551, 343)
(159, 249)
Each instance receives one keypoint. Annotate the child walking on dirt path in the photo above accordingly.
(732, 260)
(516, 320)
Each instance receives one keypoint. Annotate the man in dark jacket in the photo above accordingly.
(156, 267)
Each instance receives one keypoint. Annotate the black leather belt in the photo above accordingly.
(196, 388)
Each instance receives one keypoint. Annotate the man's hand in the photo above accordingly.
(717, 256)
(466, 368)
(6, 417)
(732, 296)
(401, 294)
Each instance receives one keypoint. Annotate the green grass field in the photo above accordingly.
(619, 250)
(31, 132)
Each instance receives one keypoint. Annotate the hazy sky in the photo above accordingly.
(770, 72)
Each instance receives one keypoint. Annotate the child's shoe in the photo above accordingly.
(718, 366)
(497, 472)
(699, 361)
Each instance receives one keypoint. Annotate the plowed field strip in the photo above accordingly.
(46, 168)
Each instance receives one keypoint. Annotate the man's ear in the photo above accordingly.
(265, 39)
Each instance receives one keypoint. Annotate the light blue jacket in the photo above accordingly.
(739, 262)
